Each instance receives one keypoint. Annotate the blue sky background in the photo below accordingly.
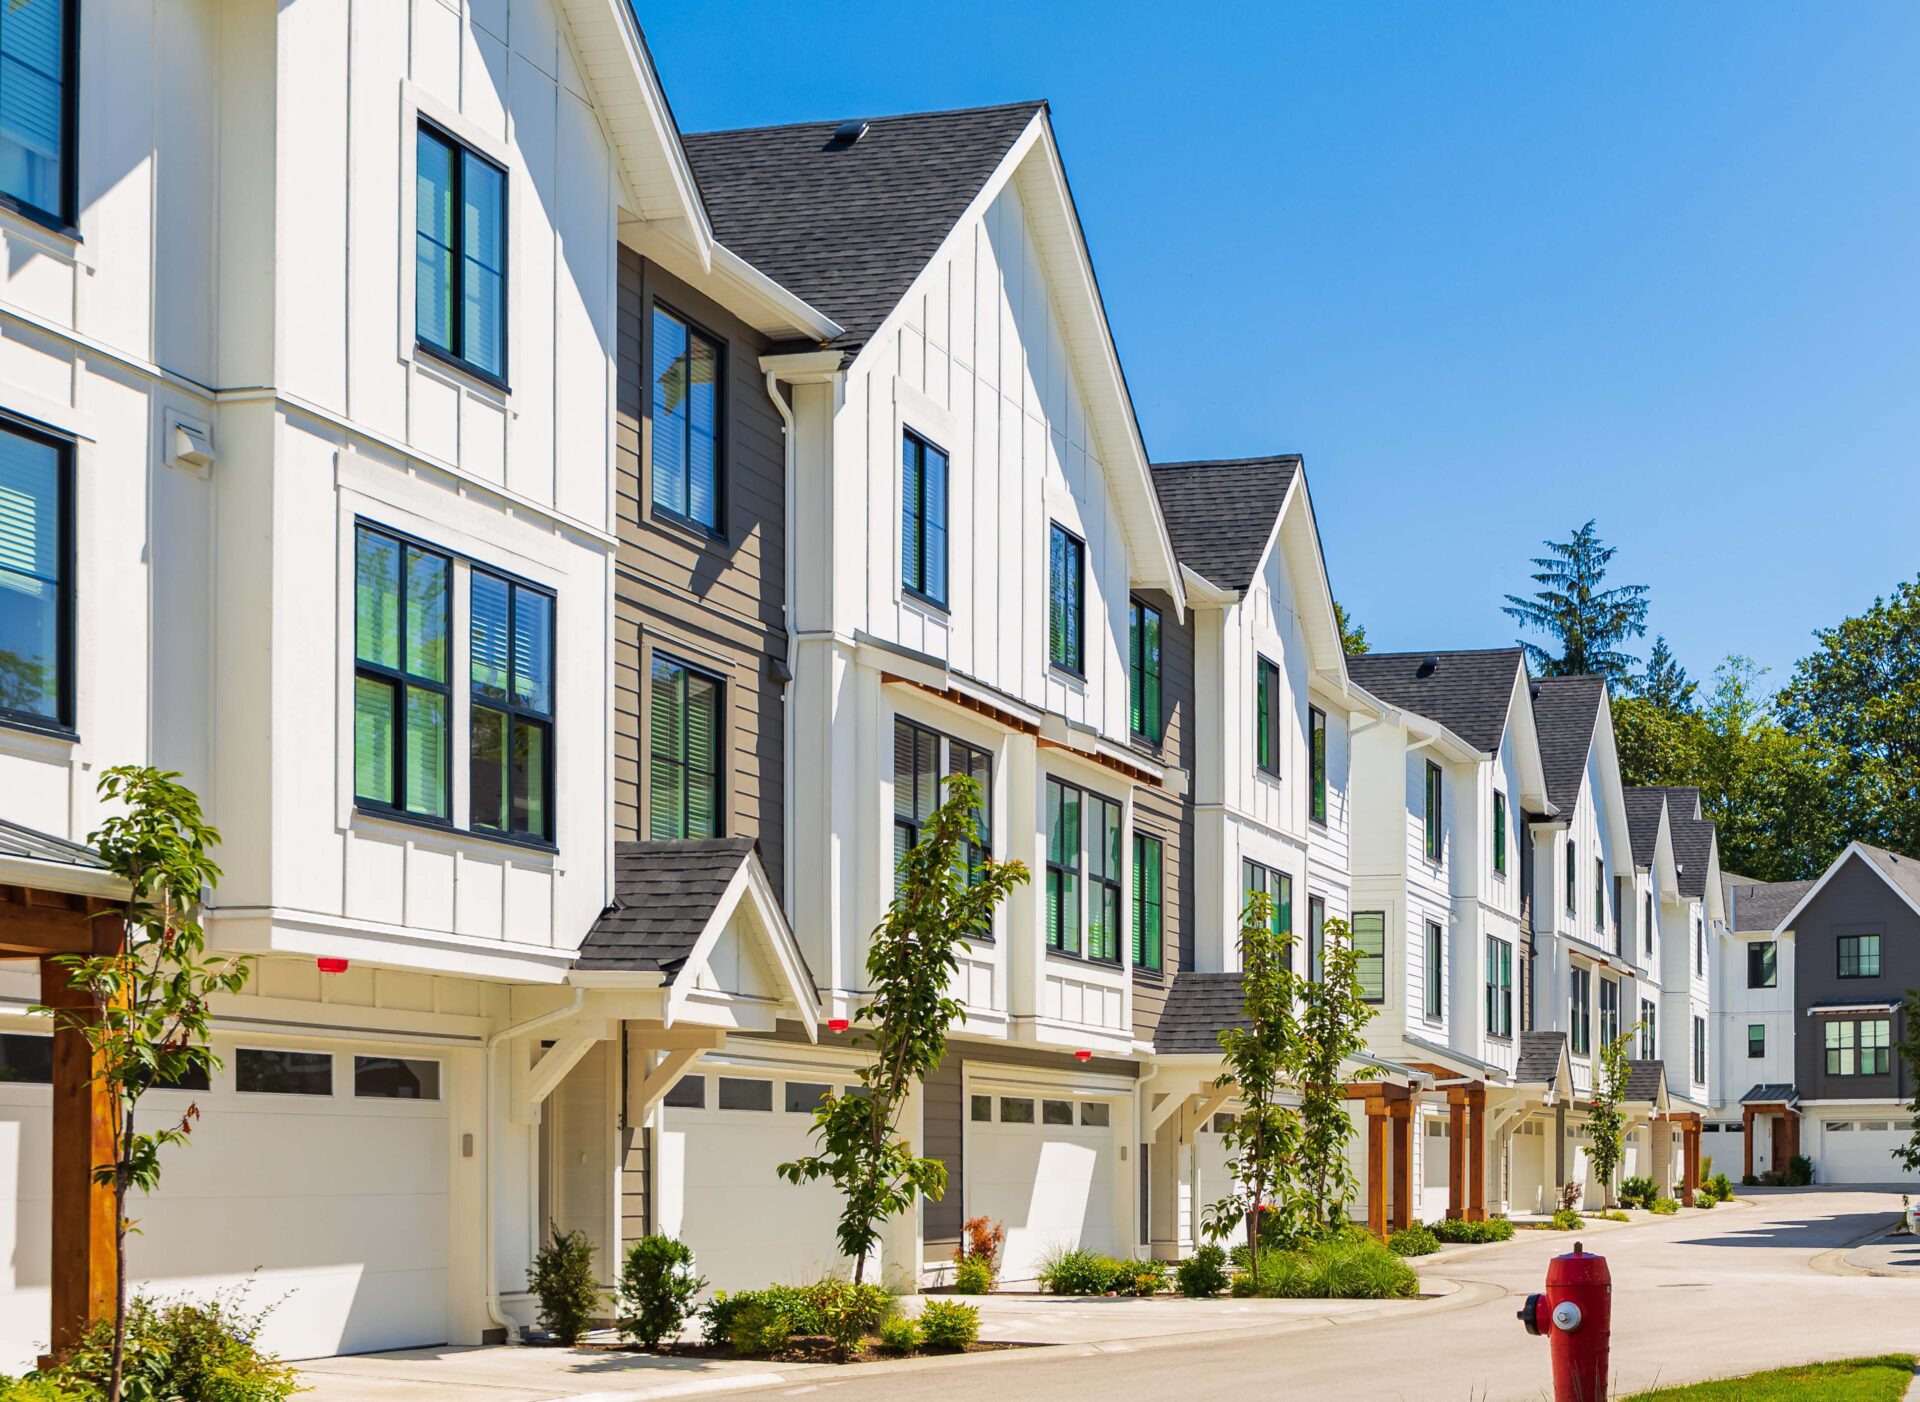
(1493, 268)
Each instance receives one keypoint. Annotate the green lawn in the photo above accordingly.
(1851, 1380)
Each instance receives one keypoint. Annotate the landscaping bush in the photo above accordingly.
(1748, 1180)
(829, 1308)
(1704, 1200)
(973, 1276)
(1459, 1229)
(562, 1278)
(758, 1330)
(1666, 1207)
(948, 1324)
(1719, 1187)
(1566, 1220)
(1607, 1217)
(1142, 1277)
(1339, 1268)
(1202, 1275)
(1078, 1272)
(849, 1312)
(1637, 1191)
(1413, 1241)
(34, 1390)
(657, 1286)
(980, 1240)
(1799, 1171)
(187, 1349)
(899, 1334)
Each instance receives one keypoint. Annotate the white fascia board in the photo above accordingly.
(750, 888)
(800, 316)
(1299, 528)
(1203, 592)
(61, 876)
(1613, 800)
(804, 367)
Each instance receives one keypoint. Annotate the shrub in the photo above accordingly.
(973, 1275)
(34, 1390)
(1570, 1195)
(1202, 1275)
(1607, 1217)
(1748, 1180)
(980, 1240)
(187, 1349)
(1799, 1171)
(1566, 1220)
(849, 1312)
(1704, 1200)
(1142, 1277)
(1719, 1187)
(1637, 1191)
(758, 1330)
(1459, 1229)
(1076, 1272)
(1413, 1241)
(948, 1324)
(817, 1309)
(1666, 1207)
(657, 1286)
(899, 1334)
(562, 1277)
(1338, 1268)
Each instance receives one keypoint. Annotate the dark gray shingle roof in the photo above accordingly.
(848, 227)
(1644, 807)
(1467, 692)
(1565, 710)
(664, 893)
(1646, 1080)
(1539, 1057)
(1198, 1009)
(1901, 872)
(1771, 1093)
(1762, 905)
(1692, 842)
(1219, 514)
(17, 841)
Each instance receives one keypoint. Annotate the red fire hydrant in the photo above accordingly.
(1576, 1315)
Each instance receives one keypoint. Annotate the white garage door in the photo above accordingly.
(1861, 1151)
(1048, 1167)
(723, 1136)
(318, 1176)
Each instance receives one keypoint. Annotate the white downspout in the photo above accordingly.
(516, 1030)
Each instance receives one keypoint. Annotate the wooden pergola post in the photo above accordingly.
(1377, 1168)
(1456, 1152)
(1400, 1113)
(1690, 1138)
(1477, 1152)
(1747, 1116)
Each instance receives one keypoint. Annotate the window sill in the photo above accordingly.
(1071, 676)
(925, 602)
(1504, 1038)
(43, 221)
(36, 725)
(1085, 961)
(1142, 974)
(463, 367)
(387, 817)
(710, 539)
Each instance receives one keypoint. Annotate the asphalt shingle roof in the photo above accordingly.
(1902, 872)
(1220, 514)
(847, 228)
(1762, 905)
(1646, 1080)
(1539, 1057)
(1198, 1009)
(664, 893)
(1565, 710)
(1644, 807)
(1771, 1093)
(1467, 692)
(17, 841)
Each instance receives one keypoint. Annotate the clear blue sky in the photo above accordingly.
(1493, 268)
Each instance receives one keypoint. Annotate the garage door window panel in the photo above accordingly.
(982, 1109)
(1095, 1114)
(25, 1059)
(737, 1093)
(396, 1078)
(1014, 1111)
(260, 1072)
(804, 1097)
(1056, 1112)
(688, 1093)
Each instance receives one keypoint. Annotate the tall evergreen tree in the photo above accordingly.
(1664, 681)
(1577, 610)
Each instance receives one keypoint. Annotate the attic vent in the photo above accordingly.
(848, 132)
(1428, 665)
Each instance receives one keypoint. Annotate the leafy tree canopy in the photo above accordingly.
(1353, 636)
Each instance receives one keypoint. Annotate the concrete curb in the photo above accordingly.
(1835, 1262)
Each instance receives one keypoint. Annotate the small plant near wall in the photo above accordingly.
(977, 1258)
(1570, 1195)
(1567, 1220)
(1664, 1207)
(1413, 1241)
(1799, 1171)
(949, 1325)
(1637, 1191)
(972, 1276)
(1202, 1275)
(562, 1280)
(900, 1334)
(657, 1286)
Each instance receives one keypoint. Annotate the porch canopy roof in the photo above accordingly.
(1772, 1093)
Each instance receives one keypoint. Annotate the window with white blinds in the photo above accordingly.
(35, 598)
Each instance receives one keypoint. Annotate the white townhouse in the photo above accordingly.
(1442, 784)
(1752, 1039)
(307, 490)
(1691, 912)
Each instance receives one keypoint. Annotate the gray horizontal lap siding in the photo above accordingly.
(1855, 901)
(1158, 813)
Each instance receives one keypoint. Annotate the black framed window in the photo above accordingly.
(1858, 1048)
(1316, 936)
(511, 632)
(689, 369)
(1580, 1011)
(683, 751)
(401, 694)
(1279, 886)
(1756, 1039)
(1763, 964)
(26, 1058)
(1063, 867)
(1649, 1030)
(1699, 945)
(1609, 1011)
(1499, 833)
(1499, 987)
(1266, 715)
(1646, 931)
(460, 254)
(923, 519)
(259, 1072)
(1143, 670)
(1619, 907)
(1370, 943)
(1316, 765)
(1699, 1050)
(1876, 1046)
(1573, 881)
(1599, 894)
(396, 1078)
(38, 92)
(1103, 879)
(1436, 812)
(1436, 967)
(1859, 956)
(36, 566)
(1149, 903)
(1066, 600)
(920, 758)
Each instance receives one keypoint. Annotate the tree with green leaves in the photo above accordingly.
(1333, 1021)
(1606, 1121)
(1353, 636)
(1586, 618)
(1908, 1154)
(942, 898)
(1263, 1142)
(147, 1019)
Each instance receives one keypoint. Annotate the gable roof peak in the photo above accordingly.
(1220, 512)
(1469, 691)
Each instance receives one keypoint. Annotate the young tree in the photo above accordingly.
(941, 899)
(1264, 1139)
(1908, 1154)
(1333, 1023)
(1606, 1122)
(148, 1021)
(1353, 636)
(1577, 610)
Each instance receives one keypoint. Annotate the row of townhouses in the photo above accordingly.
(568, 554)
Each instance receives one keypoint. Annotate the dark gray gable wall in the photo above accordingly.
(1856, 901)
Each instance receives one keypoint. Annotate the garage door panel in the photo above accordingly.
(1863, 1151)
(1051, 1185)
(209, 1235)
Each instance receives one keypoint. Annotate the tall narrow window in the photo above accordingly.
(1699, 1051)
(1599, 894)
(683, 752)
(1436, 835)
(1573, 879)
(1619, 906)
(1499, 987)
(1699, 945)
(1370, 944)
(1063, 867)
(460, 254)
(1316, 936)
(1103, 879)
(1609, 1011)
(400, 682)
(1580, 1011)
(1279, 886)
(1756, 1040)
(923, 519)
(1876, 1046)
(1149, 904)
(1317, 764)
(1143, 670)
(1838, 1036)
(685, 430)
(1763, 964)
(1436, 972)
(1646, 928)
(1649, 1030)
(37, 52)
(1266, 715)
(1499, 833)
(36, 594)
(512, 665)
(1066, 600)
